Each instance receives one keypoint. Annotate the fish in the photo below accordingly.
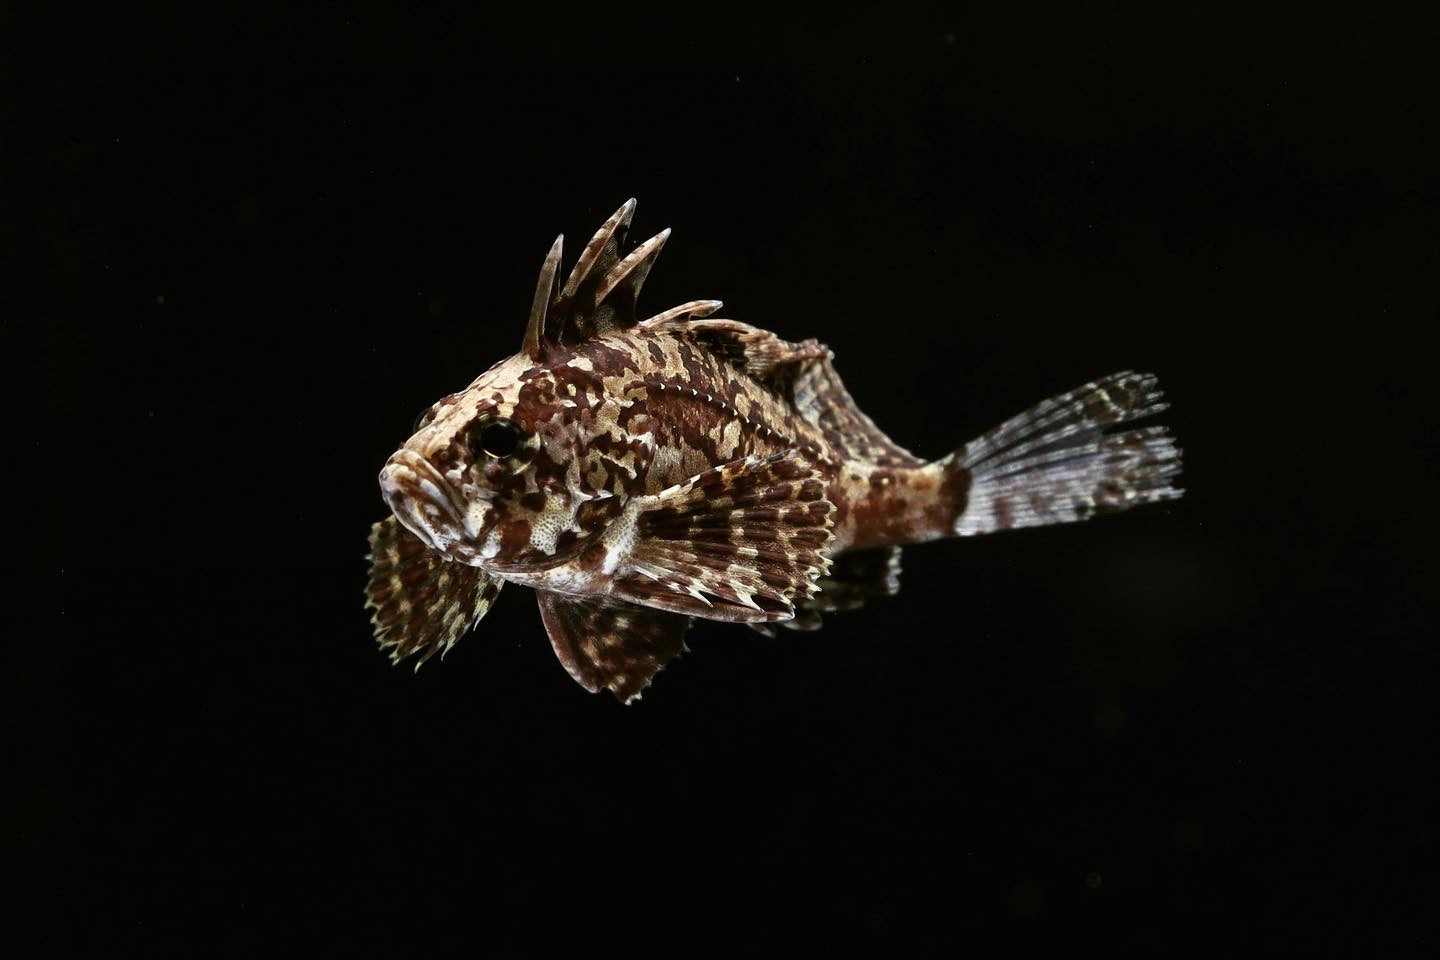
(637, 474)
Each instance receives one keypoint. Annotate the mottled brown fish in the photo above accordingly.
(637, 473)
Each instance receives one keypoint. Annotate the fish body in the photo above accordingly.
(638, 473)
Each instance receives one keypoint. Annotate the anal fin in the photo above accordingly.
(422, 604)
(612, 646)
(856, 578)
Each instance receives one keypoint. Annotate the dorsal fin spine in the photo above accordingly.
(534, 345)
(627, 276)
(601, 291)
(642, 256)
(608, 238)
(692, 310)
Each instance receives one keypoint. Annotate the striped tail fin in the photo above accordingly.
(1061, 461)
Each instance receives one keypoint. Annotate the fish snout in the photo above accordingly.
(422, 500)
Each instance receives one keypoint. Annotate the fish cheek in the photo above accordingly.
(592, 516)
(591, 519)
(556, 449)
(514, 536)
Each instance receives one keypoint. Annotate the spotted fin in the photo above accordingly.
(739, 542)
(799, 373)
(853, 580)
(821, 398)
(611, 646)
(806, 620)
(760, 353)
(422, 603)
(1059, 461)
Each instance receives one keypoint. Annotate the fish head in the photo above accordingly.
(533, 460)
(522, 468)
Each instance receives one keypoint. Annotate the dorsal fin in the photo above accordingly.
(799, 373)
(602, 251)
(618, 290)
(601, 291)
(544, 297)
(686, 311)
(820, 397)
(760, 353)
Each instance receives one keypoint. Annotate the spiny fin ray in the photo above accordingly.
(544, 298)
(685, 311)
(602, 251)
(821, 398)
(615, 297)
(601, 291)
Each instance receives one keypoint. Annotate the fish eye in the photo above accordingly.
(498, 438)
(422, 418)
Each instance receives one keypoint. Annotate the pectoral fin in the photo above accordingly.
(739, 542)
(607, 645)
(422, 603)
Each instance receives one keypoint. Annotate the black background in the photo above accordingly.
(253, 245)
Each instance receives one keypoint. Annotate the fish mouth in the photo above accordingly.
(423, 500)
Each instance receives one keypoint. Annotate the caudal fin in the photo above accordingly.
(1061, 461)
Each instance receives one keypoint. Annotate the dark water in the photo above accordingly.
(259, 242)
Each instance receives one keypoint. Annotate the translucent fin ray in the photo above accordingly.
(1060, 461)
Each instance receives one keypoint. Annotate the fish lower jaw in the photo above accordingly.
(427, 533)
(423, 502)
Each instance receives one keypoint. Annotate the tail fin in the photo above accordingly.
(1056, 462)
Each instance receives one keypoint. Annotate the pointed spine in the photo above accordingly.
(603, 248)
(544, 296)
(620, 288)
(686, 311)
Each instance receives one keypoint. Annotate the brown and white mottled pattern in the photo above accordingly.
(612, 646)
(422, 604)
(637, 473)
